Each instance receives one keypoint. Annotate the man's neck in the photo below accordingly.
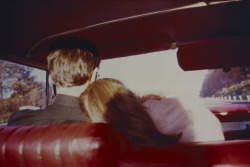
(72, 91)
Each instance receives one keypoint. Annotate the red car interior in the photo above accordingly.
(97, 144)
(212, 36)
(216, 35)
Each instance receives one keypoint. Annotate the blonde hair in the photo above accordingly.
(71, 61)
(109, 100)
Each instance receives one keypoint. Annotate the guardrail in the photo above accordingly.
(228, 98)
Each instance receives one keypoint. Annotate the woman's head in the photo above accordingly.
(110, 101)
(94, 100)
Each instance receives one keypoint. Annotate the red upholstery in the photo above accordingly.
(96, 144)
(83, 144)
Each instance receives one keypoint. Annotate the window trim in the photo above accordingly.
(23, 61)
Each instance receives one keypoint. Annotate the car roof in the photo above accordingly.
(210, 35)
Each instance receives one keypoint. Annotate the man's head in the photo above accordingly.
(72, 61)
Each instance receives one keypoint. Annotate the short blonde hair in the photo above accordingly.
(71, 61)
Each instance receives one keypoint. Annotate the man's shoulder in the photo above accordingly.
(26, 112)
(25, 117)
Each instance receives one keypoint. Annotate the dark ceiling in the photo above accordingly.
(27, 24)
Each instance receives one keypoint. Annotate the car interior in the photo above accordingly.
(206, 35)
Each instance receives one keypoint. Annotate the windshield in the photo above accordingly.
(159, 72)
(226, 94)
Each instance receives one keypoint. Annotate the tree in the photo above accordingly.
(14, 78)
(18, 87)
(216, 80)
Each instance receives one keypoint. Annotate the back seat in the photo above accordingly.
(97, 145)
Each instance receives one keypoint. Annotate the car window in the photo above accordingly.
(21, 87)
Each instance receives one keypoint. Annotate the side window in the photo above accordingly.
(21, 87)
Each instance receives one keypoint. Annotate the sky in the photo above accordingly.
(156, 72)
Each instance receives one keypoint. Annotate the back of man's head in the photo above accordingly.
(71, 61)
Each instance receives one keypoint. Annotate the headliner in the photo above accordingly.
(29, 23)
